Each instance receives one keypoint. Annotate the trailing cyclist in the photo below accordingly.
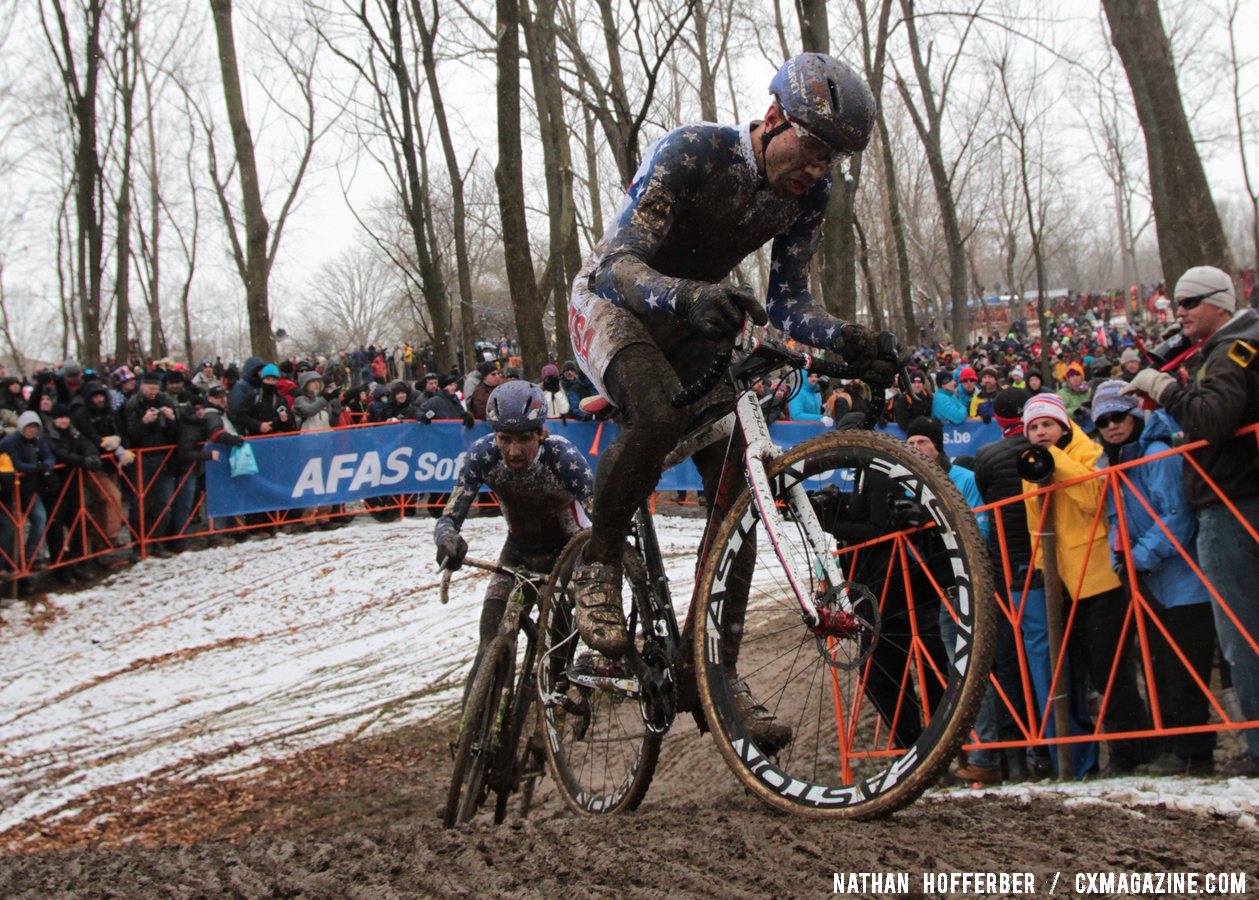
(542, 483)
(648, 312)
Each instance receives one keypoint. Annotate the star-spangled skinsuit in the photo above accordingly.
(543, 506)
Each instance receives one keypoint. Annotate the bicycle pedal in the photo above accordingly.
(597, 672)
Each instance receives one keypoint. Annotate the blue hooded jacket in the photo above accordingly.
(949, 407)
(1163, 570)
(806, 405)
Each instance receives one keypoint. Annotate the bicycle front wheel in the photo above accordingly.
(857, 719)
(476, 748)
(599, 750)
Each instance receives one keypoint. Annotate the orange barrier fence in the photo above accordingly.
(156, 504)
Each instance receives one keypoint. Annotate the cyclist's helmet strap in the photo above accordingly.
(515, 406)
(827, 99)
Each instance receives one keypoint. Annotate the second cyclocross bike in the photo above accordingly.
(831, 622)
(498, 710)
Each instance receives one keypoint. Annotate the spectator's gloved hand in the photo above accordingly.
(92, 464)
(451, 549)
(905, 513)
(717, 312)
(828, 422)
(1150, 382)
(124, 456)
(110, 443)
(426, 418)
(468, 421)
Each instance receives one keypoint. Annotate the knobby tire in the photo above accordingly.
(843, 761)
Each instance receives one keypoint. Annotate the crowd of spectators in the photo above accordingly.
(157, 423)
(148, 427)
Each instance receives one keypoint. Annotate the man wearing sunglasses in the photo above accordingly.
(1222, 397)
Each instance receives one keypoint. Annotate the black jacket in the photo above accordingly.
(263, 405)
(73, 448)
(1223, 397)
(997, 477)
(96, 424)
(161, 432)
(907, 407)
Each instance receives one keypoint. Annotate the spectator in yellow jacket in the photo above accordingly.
(1083, 558)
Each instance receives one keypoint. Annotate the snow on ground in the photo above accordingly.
(214, 660)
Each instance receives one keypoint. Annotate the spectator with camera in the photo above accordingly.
(1099, 603)
(151, 424)
(1222, 398)
(911, 404)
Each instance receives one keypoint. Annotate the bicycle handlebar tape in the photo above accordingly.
(704, 384)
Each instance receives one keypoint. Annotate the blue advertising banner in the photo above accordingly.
(326, 467)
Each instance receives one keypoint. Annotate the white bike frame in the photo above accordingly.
(804, 564)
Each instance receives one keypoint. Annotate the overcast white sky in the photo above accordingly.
(322, 225)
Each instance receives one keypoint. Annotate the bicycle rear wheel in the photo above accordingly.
(477, 745)
(875, 706)
(598, 748)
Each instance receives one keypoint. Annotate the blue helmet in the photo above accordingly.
(515, 406)
(827, 99)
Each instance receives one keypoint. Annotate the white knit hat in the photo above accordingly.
(1211, 284)
(1045, 406)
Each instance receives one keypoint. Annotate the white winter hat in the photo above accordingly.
(1211, 284)
(30, 417)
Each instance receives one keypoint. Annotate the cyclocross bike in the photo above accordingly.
(836, 635)
(498, 710)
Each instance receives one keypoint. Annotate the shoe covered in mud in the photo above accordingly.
(597, 595)
(769, 734)
(971, 774)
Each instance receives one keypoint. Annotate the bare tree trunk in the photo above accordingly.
(526, 301)
(467, 313)
(564, 255)
(88, 208)
(927, 123)
(838, 264)
(1185, 218)
(128, 53)
(707, 77)
(873, 57)
(592, 178)
(257, 229)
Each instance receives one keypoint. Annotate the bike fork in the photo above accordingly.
(804, 564)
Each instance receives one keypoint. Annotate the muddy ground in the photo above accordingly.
(360, 819)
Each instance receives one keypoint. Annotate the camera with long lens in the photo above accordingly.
(1171, 346)
(1035, 464)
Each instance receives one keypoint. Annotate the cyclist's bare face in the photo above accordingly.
(519, 449)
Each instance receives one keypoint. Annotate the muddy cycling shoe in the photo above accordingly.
(769, 734)
(596, 591)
